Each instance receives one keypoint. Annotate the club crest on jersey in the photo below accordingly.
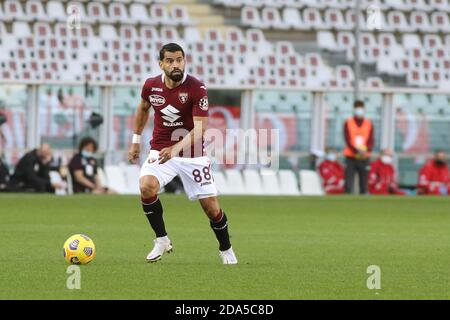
(156, 100)
(183, 96)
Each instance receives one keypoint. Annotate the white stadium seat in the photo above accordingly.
(288, 183)
(252, 182)
(116, 179)
(270, 182)
(221, 183)
(310, 183)
(234, 179)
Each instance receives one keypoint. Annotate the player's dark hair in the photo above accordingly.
(87, 141)
(170, 47)
(358, 103)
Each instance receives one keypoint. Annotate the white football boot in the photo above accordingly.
(228, 256)
(162, 245)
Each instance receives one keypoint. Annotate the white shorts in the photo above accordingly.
(195, 173)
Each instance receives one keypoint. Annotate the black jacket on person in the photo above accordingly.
(89, 167)
(31, 174)
(4, 176)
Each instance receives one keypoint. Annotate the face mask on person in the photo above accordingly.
(359, 112)
(331, 156)
(386, 159)
(87, 154)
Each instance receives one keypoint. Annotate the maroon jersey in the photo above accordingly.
(174, 109)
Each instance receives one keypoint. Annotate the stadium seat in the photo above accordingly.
(160, 14)
(97, 13)
(181, 15)
(271, 17)
(270, 182)
(221, 183)
(313, 19)
(398, 5)
(252, 182)
(117, 12)
(397, 21)
(288, 183)
(35, 11)
(139, 13)
(325, 41)
(440, 21)
(419, 22)
(55, 178)
(335, 20)
(292, 18)
(131, 173)
(310, 184)
(102, 177)
(440, 5)
(418, 5)
(250, 17)
(234, 179)
(13, 9)
(116, 179)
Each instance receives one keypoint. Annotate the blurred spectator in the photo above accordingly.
(4, 176)
(332, 173)
(382, 175)
(84, 169)
(434, 177)
(32, 172)
(359, 139)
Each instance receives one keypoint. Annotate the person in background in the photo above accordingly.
(359, 140)
(84, 169)
(32, 172)
(434, 177)
(332, 173)
(4, 176)
(382, 175)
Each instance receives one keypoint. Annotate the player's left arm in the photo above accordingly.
(194, 137)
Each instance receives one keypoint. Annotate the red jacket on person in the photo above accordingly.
(382, 179)
(332, 173)
(434, 177)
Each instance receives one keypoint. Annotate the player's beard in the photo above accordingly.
(176, 75)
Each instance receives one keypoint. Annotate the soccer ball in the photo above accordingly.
(79, 249)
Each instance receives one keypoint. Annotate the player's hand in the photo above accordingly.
(165, 154)
(134, 152)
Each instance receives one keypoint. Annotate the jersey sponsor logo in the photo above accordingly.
(170, 114)
(183, 96)
(156, 100)
(157, 89)
(203, 103)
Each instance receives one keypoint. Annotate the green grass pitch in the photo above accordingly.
(288, 248)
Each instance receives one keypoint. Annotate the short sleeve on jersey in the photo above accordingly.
(200, 102)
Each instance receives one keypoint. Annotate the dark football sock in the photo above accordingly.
(154, 212)
(220, 228)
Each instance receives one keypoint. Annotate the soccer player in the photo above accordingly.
(180, 102)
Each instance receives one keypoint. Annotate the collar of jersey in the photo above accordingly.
(184, 79)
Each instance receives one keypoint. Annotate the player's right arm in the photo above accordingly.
(141, 119)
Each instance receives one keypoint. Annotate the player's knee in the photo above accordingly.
(149, 188)
(212, 212)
